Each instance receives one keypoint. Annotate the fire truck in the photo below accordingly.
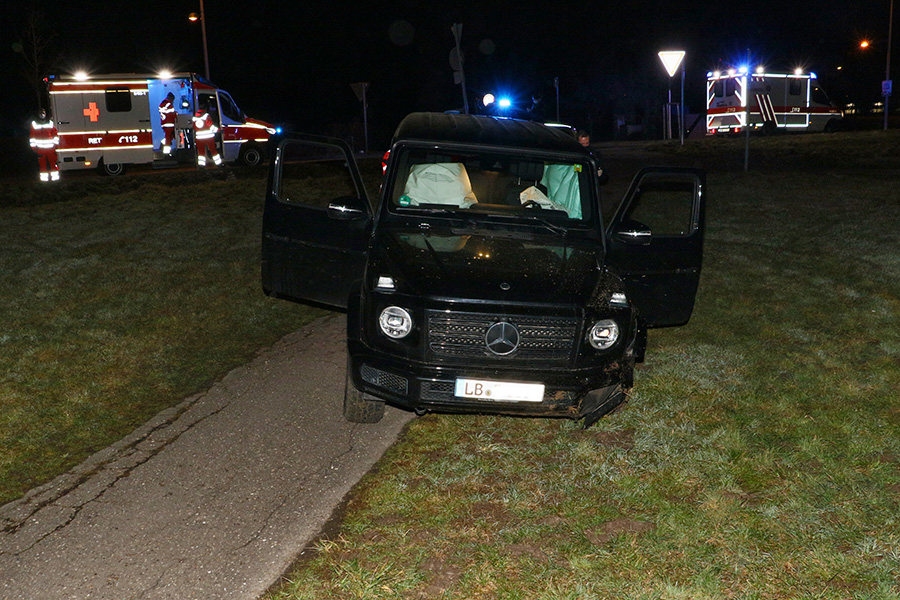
(110, 121)
(768, 102)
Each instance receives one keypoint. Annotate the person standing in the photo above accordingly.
(584, 138)
(205, 136)
(44, 140)
(167, 118)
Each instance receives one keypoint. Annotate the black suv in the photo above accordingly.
(485, 278)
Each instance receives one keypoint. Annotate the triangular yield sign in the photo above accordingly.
(671, 59)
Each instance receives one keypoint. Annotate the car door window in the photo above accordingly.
(312, 176)
(666, 205)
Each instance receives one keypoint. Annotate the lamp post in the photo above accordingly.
(886, 85)
(202, 19)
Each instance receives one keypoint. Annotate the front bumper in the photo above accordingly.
(421, 386)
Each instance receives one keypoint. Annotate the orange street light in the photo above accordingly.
(864, 44)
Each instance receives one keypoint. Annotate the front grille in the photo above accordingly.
(383, 379)
(454, 334)
(437, 391)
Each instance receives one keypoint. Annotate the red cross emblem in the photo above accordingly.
(92, 111)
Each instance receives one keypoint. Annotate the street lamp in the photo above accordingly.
(202, 18)
(886, 85)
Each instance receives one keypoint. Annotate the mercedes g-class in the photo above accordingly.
(485, 278)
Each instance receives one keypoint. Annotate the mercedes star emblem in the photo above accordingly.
(502, 338)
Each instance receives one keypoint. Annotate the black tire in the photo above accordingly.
(251, 155)
(112, 169)
(360, 407)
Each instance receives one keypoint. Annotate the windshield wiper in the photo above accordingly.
(557, 229)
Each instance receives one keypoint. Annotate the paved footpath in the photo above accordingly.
(214, 498)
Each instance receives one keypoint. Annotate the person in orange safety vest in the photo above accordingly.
(205, 136)
(167, 117)
(44, 140)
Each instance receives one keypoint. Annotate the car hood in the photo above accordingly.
(490, 267)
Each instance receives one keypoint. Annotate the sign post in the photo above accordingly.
(671, 60)
(456, 63)
(360, 90)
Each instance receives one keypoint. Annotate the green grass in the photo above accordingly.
(758, 456)
(121, 297)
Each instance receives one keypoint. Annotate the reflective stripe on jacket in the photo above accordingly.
(44, 135)
(167, 113)
(204, 126)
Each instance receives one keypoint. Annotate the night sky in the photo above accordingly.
(292, 63)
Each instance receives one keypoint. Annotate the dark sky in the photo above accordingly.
(292, 62)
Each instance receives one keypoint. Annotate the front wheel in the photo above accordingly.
(832, 126)
(251, 156)
(358, 406)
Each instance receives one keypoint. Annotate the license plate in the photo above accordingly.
(505, 391)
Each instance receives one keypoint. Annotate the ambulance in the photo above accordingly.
(768, 102)
(110, 121)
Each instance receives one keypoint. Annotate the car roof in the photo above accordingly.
(486, 130)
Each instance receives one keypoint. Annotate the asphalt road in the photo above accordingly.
(214, 498)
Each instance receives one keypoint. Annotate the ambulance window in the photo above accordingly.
(718, 88)
(819, 96)
(118, 100)
(730, 87)
(229, 108)
(795, 87)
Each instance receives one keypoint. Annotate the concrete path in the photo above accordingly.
(211, 499)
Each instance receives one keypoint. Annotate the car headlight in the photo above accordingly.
(603, 334)
(395, 322)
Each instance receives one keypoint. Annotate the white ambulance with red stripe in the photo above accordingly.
(110, 121)
(768, 102)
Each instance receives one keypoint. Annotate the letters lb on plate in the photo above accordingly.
(506, 391)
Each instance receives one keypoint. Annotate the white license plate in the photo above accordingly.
(505, 391)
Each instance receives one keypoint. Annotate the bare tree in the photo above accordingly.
(33, 45)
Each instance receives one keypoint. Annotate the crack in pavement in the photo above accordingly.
(220, 512)
(93, 469)
(350, 448)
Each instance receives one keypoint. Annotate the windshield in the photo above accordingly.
(492, 183)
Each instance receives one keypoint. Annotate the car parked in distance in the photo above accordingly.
(484, 278)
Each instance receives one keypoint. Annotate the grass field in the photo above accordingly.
(758, 456)
(118, 298)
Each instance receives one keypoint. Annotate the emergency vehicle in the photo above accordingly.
(110, 121)
(776, 102)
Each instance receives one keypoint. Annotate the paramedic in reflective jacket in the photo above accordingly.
(205, 135)
(44, 140)
(167, 118)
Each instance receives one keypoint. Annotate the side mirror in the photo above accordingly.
(347, 208)
(633, 233)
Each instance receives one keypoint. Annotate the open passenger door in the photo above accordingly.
(655, 241)
(316, 222)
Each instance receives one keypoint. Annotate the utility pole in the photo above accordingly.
(459, 75)
(886, 86)
(203, 30)
(556, 85)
